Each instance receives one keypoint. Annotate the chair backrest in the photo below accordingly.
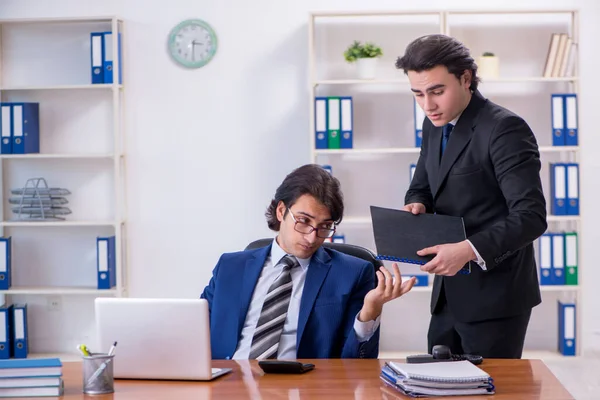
(350, 249)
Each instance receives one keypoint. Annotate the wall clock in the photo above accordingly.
(192, 43)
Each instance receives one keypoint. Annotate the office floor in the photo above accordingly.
(579, 375)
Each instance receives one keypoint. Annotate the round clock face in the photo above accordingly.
(192, 43)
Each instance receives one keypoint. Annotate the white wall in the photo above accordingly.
(207, 148)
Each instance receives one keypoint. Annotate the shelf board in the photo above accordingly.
(57, 223)
(58, 291)
(59, 20)
(549, 218)
(101, 86)
(396, 81)
(57, 156)
(416, 150)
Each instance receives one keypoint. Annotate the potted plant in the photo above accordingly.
(365, 56)
(488, 65)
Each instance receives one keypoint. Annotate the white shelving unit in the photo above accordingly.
(383, 127)
(82, 149)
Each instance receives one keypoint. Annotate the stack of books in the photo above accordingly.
(31, 377)
(450, 378)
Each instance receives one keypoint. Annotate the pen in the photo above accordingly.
(112, 349)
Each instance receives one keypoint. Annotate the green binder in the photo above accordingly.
(571, 258)
(333, 122)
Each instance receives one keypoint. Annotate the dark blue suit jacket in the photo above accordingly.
(334, 291)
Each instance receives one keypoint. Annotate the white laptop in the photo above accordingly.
(157, 338)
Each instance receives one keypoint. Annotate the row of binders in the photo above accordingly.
(558, 258)
(333, 122)
(564, 188)
(19, 128)
(13, 331)
(105, 262)
(102, 56)
(32, 377)
(560, 60)
(564, 119)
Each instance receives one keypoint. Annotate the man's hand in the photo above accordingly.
(415, 208)
(388, 288)
(449, 259)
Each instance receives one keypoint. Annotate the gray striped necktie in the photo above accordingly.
(265, 341)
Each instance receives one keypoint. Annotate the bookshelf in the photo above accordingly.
(376, 169)
(82, 149)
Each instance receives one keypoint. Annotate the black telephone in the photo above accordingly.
(441, 353)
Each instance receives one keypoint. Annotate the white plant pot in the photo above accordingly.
(488, 67)
(366, 68)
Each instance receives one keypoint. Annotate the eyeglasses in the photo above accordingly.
(305, 228)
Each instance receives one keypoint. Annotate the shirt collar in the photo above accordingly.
(277, 254)
(455, 120)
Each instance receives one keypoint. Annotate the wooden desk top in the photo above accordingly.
(331, 379)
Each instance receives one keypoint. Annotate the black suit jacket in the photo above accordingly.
(490, 176)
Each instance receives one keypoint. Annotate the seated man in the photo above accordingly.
(293, 298)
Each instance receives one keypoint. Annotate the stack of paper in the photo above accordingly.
(452, 378)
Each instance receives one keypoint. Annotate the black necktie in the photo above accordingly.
(446, 130)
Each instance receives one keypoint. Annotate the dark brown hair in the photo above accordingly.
(309, 179)
(429, 51)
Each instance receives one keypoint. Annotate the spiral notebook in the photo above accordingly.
(400, 234)
(437, 379)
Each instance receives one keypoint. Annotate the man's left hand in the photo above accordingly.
(449, 259)
(388, 288)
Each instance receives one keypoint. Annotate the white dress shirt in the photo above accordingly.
(480, 261)
(287, 342)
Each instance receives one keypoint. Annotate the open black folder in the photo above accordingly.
(400, 234)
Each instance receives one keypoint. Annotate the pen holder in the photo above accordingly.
(98, 375)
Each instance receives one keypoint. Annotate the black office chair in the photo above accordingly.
(346, 248)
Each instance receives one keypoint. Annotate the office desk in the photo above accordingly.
(332, 379)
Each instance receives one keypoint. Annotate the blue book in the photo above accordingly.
(30, 367)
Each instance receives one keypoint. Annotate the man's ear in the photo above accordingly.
(280, 211)
(466, 78)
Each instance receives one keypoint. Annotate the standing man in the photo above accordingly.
(294, 298)
(481, 162)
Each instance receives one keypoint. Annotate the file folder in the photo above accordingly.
(26, 128)
(422, 279)
(333, 122)
(338, 239)
(108, 57)
(419, 118)
(558, 189)
(321, 141)
(571, 250)
(6, 128)
(5, 333)
(20, 331)
(400, 234)
(572, 189)
(558, 259)
(558, 120)
(545, 253)
(97, 57)
(328, 168)
(346, 122)
(412, 169)
(571, 119)
(5, 262)
(566, 328)
(106, 262)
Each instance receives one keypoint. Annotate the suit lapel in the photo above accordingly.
(435, 148)
(315, 276)
(459, 139)
(252, 271)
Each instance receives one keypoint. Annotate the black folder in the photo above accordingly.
(400, 234)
